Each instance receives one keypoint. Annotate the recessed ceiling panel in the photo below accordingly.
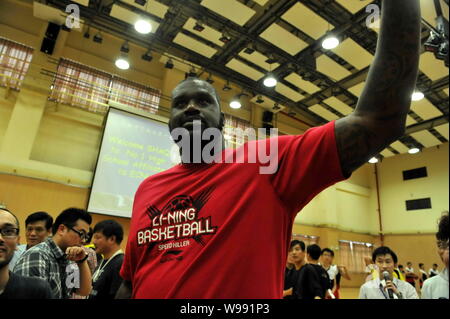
(425, 109)
(288, 92)
(400, 147)
(306, 20)
(258, 59)
(446, 91)
(130, 17)
(354, 5)
(338, 105)
(354, 54)
(357, 89)
(156, 8)
(261, 2)
(283, 39)
(244, 69)
(306, 86)
(82, 2)
(410, 120)
(426, 138)
(208, 33)
(323, 112)
(443, 130)
(329, 67)
(194, 45)
(230, 9)
(387, 153)
(432, 67)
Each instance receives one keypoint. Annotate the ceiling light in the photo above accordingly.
(226, 87)
(122, 63)
(147, 56)
(259, 99)
(270, 81)
(271, 59)
(413, 150)
(125, 48)
(169, 64)
(98, 38)
(209, 79)
(330, 42)
(225, 38)
(417, 96)
(192, 73)
(276, 107)
(235, 103)
(373, 160)
(86, 34)
(198, 26)
(143, 27)
(250, 49)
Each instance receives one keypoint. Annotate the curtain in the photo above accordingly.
(234, 131)
(81, 86)
(15, 60)
(352, 255)
(135, 95)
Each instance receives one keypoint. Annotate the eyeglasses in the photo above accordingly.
(9, 232)
(442, 244)
(84, 237)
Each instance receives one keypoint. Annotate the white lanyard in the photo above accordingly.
(100, 268)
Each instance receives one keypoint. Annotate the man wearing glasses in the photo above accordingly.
(38, 226)
(61, 260)
(13, 286)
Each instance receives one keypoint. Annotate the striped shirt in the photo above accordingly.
(47, 261)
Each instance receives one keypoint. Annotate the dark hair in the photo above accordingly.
(297, 242)
(384, 250)
(435, 265)
(314, 251)
(69, 217)
(110, 228)
(420, 264)
(400, 266)
(15, 217)
(40, 216)
(443, 227)
(327, 250)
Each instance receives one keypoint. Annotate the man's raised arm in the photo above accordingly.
(380, 115)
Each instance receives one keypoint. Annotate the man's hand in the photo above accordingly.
(390, 285)
(75, 253)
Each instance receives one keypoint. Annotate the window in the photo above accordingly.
(308, 240)
(134, 94)
(234, 131)
(82, 86)
(352, 255)
(15, 60)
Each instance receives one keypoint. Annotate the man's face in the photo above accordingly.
(443, 252)
(7, 244)
(327, 259)
(36, 233)
(195, 100)
(101, 242)
(297, 254)
(72, 235)
(409, 265)
(385, 263)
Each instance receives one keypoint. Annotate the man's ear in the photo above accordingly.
(112, 238)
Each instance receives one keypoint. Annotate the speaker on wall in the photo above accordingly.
(267, 116)
(51, 35)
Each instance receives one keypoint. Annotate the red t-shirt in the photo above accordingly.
(223, 230)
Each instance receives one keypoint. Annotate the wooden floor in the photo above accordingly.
(349, 293)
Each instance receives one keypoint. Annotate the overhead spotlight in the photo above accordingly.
(122, 63)
(437, 43)
(276, 107)
(125, 48)
(169, 64)
(414, 150)
(143, 26)
(86, 34)
(235, 103)
(270, 81)
(147, 56)
(141, 2)
(271, 59)
(192, 73)
(198, 26)
(226, 87)
(259, 99)
(250, 49)
(209, 79)
(225, 38)
(330, 42)
(98, 38)
(373, 160)
(417, 96)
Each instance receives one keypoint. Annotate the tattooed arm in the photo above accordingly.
(380, 115)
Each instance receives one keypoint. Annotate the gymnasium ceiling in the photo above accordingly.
(314, 84)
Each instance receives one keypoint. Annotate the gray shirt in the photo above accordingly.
(436, 287)
(373, 289)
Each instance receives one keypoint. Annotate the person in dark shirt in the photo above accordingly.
(108, 235)
(313, 281)
(297, 258)
(13, 286)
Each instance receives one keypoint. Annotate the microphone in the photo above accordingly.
(387, 277)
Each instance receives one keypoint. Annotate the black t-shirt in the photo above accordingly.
(109, 280)
(313, 281)
(20, 287)
(290, 280)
